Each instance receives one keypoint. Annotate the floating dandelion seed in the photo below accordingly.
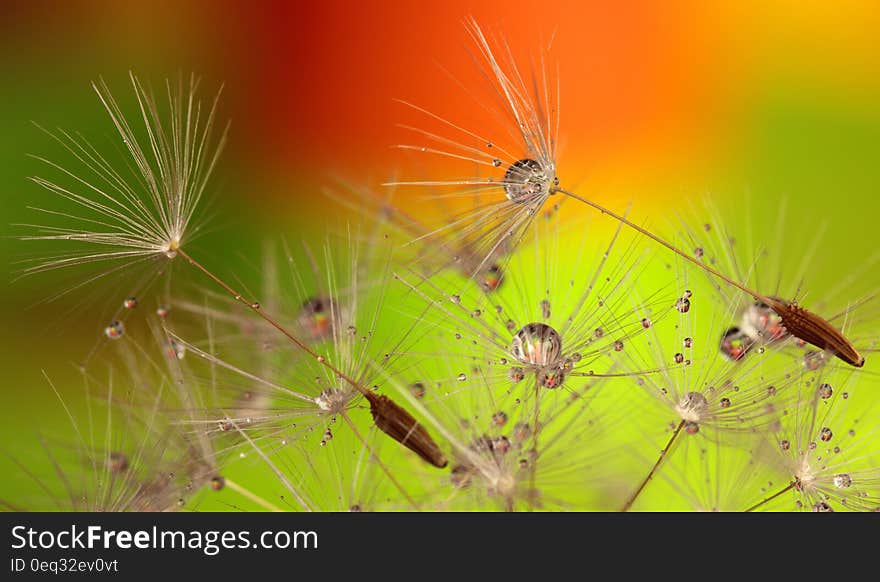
(174, 171)
(530, 179)
(818, 476)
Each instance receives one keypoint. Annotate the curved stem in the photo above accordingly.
(767, 500)
(663, 454)
(255, 307)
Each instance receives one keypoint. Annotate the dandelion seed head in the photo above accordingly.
(528, 180)
(693, 407)
(334, 400)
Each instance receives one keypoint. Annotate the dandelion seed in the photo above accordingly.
(532, 178)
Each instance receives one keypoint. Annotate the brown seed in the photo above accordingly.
(814, 330)
(402, 427)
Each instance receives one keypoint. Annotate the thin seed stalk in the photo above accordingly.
(663, 454)
(767, 500)
(801, 323)
(388, 415)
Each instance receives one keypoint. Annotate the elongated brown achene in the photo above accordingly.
(402, 427)
(814, 330)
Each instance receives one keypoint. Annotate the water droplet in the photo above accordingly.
(688, 342)
(492, 278)
(496, 162)
(551, 378)
(461, 377)
(455, 299)
(724, 403)
(683, 305)
(499, 418)
(545, 309)
(522, 431)
(691, 427)
(417, 389)
(822, 507)
(162, 311)
(784, 445)
(763, 324)
(599, 332)
(115, 330)
(618, 346)
(698, 252)
(517, 374)
(735, 344)
(130, 302)
(218, 483)
(687, 294)
(174, 350)
(825, 434)
(117, 462)
(536, 344)
(315, 317)
(843, 481)
(825, 391)
(646, 323)
(813, 360)
(526, 180)
(255, 305)
(679, 358)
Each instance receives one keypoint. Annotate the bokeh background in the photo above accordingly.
(660, 105)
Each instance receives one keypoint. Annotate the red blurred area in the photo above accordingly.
(323, 76)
